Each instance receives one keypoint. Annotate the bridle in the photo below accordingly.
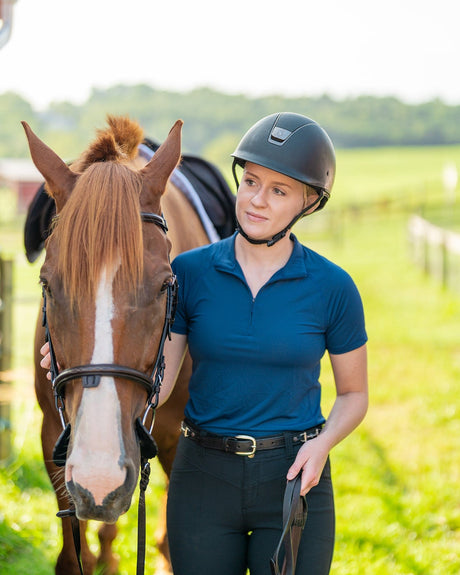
(90, 375)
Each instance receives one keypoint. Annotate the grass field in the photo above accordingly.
(396, 478)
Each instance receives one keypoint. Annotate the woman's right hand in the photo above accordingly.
(46, 361)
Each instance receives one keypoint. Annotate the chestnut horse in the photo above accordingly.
(105, 279)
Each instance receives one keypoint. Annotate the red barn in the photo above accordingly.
(23, 178)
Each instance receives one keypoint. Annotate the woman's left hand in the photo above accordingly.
(311, 459)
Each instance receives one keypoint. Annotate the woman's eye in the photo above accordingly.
(279, 192)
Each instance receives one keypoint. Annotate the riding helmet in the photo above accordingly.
(293, 145)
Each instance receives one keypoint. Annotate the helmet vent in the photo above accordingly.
(279, 135)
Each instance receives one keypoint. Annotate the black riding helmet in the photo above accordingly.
(295, 146)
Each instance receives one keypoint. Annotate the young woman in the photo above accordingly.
(257, 312)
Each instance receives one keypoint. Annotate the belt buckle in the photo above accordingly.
(253, 446)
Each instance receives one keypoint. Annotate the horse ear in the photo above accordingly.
(59, 178)
(156, 173)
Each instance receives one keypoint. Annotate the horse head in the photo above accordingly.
(105, 279)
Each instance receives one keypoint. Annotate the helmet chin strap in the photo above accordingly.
(270, 242)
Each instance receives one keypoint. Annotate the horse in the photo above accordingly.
(105, 280)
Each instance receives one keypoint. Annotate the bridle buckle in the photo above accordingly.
(185, 429)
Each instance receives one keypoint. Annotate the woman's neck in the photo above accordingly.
(260, 262)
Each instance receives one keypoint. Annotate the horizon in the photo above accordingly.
(337, 99)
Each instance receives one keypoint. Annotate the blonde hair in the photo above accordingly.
(308, 191)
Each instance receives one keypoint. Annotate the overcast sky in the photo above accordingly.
(60, 49)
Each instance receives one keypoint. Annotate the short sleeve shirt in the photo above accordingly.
(256, 361)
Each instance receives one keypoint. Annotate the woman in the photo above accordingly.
(257, 312)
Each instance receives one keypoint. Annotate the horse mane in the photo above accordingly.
(100, 225)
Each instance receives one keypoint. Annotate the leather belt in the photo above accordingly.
(246, 444)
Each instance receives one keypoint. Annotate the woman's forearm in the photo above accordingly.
(174, 351)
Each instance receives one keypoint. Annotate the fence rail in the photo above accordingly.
(436, 250)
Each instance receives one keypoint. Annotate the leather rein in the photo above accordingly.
(91, 376)
(295, 511)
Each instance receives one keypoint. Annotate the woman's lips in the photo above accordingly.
(255, 217)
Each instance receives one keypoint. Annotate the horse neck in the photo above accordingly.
(185, 228)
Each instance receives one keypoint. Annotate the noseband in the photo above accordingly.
(90, 375)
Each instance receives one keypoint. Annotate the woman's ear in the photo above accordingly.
(310, 196)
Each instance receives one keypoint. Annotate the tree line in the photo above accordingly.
(214, 121)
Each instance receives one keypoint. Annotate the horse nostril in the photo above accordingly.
(131, 475)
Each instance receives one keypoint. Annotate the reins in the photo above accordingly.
(91, 375)
(294, 518)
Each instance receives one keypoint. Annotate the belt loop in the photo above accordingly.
(288, 444)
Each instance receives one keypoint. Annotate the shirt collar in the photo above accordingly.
(295, 267)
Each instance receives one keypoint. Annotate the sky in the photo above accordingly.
(60, 50)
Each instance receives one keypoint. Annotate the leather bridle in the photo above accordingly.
(90, 375)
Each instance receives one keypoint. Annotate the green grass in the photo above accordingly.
(396, 478)
(405, 175)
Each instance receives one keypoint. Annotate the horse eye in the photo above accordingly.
(45, 286)
(165, 286)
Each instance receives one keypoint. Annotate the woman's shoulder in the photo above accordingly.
(315, 260)
(325, 270)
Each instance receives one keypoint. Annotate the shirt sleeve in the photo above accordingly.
(346, 324)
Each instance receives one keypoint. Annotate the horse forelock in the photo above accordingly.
(119, 142)
(100, 228)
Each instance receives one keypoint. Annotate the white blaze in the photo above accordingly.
(97, 451)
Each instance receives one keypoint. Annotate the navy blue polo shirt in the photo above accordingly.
(256, 361)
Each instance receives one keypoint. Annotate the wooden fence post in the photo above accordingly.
(436, 250)
(5, 430)
(6, 313)
(6, 352)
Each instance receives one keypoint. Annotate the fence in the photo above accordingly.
(436, 250)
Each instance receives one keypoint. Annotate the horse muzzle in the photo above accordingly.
(98, 496)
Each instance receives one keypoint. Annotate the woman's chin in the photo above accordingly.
(255, 233)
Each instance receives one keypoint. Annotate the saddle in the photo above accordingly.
(212, 196)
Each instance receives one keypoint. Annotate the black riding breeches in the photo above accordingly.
(225, 513)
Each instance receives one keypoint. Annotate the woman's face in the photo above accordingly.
(267, 201)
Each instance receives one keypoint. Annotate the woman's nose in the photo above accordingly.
(259, 198)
